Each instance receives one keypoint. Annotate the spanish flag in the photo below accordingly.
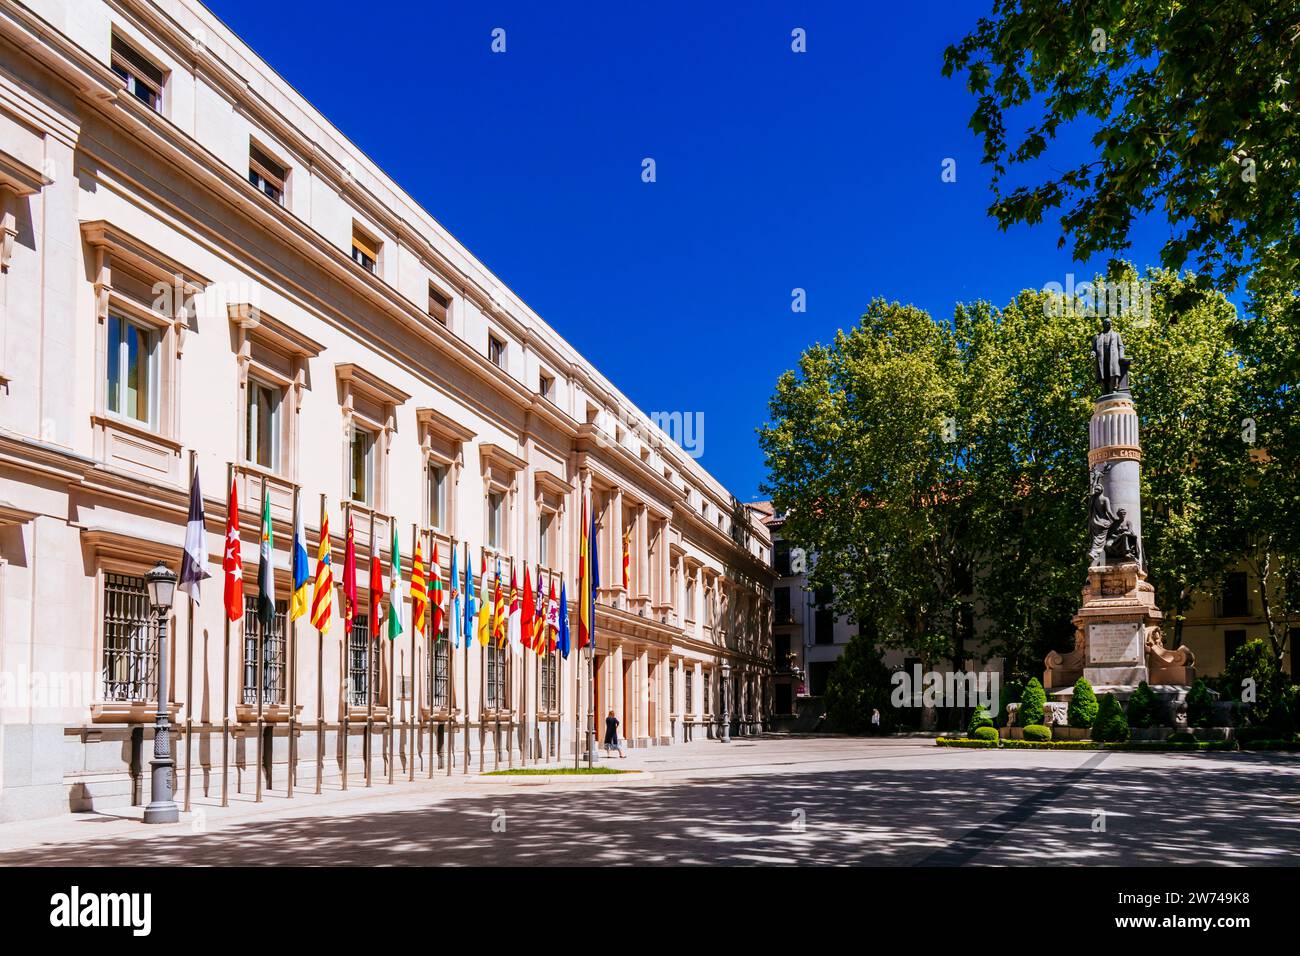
(322, 603)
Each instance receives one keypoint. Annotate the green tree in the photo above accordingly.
(1031, 704)
(857, 684)
(1192, 110)
(1083, 704)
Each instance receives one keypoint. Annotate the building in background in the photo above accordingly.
(200, 272)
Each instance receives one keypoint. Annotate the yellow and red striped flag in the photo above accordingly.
(627, 553)
(419, 596)
(322, 601)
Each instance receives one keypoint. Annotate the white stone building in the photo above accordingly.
(199, 271)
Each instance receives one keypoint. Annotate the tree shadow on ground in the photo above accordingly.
(1246, 813)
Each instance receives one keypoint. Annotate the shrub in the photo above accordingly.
(1038, 733)
(1254, 665)
(1181, 737)
(987, 733)
(1083, 704)
(1031, 704)
(1144, 707)
(1110, 726)
(1200, 705)
(978, 719)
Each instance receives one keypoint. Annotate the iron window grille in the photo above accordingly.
(440, 675)
(496, 677)
(550, 684)
(130, 640)
(273, 654)
(358, 676)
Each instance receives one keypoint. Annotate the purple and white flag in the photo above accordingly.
(196, 545)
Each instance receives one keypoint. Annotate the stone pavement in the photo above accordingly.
(771, 800)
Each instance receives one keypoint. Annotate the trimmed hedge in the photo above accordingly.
(1155, 745)
(1110, 726)
(1038, 733)
(965, 742)
(1200, 704)
(1144, 707)
(1181, 737)
(979, 719)
(1083, 705)
(1031, 704)
(984, 733)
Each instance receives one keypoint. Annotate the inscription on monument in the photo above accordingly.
(1113, 643)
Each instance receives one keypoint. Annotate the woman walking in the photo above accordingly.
(611, 736)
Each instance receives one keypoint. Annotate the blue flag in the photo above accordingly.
(595, 578)
(562, 633)
(470, 607)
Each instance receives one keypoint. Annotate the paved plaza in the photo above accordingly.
(802, 801)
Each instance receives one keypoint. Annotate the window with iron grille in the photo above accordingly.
(440, 674)
(690, 689)
(358, 676)
(708, 694)
(550, 683)
(672, 689)
(273, 654)
(496, 678)
(130, 640)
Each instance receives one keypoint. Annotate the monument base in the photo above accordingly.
(1117, 640)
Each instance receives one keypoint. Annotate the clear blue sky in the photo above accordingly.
(776, 170)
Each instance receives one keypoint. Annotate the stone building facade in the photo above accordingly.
(199, 272)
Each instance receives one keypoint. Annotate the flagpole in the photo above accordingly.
(577, 692)
(261, 637)
(347, 639)
(526, 750)
(465, 641)
(225, 669)
(370, 654)
(320, 667)
(189, 657)
(415, 684)
(449, 744)
(392, 653)
(482, 683)
(291, 654)
(510, 675)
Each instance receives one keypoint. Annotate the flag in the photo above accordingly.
(627, 553)
(349, 579)
(498, 610)
(594, 586)
(322, 601)
(513, 622)
(552, 630)
(471, 607)
(419, 596)
(232, 565)
(195, 555)
(457, 622)
(300, 567)
(434, 578)
(376, 589)
(584, 578)
(266, 570)
(484, 623)
(562, 626)
(528, 611)
(394, 590)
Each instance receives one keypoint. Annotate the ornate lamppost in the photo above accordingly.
(726, 702)
(162, 808)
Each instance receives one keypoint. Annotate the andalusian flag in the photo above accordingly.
(322, 602)
(266, 570)
(434, 578)
(419, 596)
(300, 567)
(394, 590)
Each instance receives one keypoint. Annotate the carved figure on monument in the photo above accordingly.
(1122, 542)
(1109, 363)
(1100, 516)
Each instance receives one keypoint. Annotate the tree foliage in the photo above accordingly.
(857, 684)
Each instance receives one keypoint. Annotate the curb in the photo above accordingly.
(550, 779)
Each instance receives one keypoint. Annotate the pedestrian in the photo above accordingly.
(875, 721)
(612, 741)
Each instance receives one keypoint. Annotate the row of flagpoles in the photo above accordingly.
(537, 619)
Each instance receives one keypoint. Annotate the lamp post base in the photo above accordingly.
(162, 813)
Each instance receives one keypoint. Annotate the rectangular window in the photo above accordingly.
(273, 654)
(545, 385)
(266, 174)
(672, 689)
(130, 640)
(358, 674)
(437, 496)
(781, 609)
(144, 81)
(544, 537)
(439, 305)
(689, 685)
(708, 692)
(440, 676)
(365, 250)
(262, 425)
(550, 684)
(496, 677)
(496, 519)
(361, 466)
(496, 351)
(1236, 596)
(132, 370)
(781, 558)
(690, 601)
(824, 618)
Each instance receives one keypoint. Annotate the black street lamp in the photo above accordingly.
(726, 702)
(162, 808)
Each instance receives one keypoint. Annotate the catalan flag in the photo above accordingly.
(322, 604)
(627, 554)
(498, 609)
(419, 596)
(300, 566)
(584, 579)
